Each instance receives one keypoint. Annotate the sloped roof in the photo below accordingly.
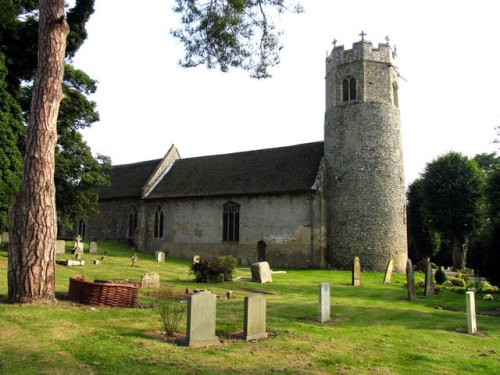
(290, 169)
(127, 180)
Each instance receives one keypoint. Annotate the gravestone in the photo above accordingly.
(78, 245)
(134, 260)
(160, 256)
(5, 238)
(261, 272)
(60, 246)
(201, 319)
(410, 281)
(429, 283)
(78, 254)
(471, 312)
(356, 272)
(93, 247)
(196, 260)
(254, 323)
(324, 302)
(388, 271)
(150, 280)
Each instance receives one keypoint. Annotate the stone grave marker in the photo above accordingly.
(324, 302)
(160, 256)
(388, 271)
(78, 245)
(150, 280)
(5, 238)
(60, 246)
(410, 281)
(134, 260)
(254, 323)
(356, 272)
(429, 283)
(261, 272)
(201, 319)
(93, 247)
(471, 312)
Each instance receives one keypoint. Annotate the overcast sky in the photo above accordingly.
(447, 52)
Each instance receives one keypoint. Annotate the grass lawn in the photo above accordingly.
(374, 329)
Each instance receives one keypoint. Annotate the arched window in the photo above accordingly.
(349, 89)
(231, 222)
(132, 221)
(158, 228)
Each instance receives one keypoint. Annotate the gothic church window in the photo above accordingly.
(132, 221)
(158, 227)
(231, 222)
(349, 89)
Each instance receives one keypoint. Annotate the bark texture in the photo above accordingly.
(32, 219)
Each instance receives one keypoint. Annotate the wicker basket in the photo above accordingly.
(102, 294)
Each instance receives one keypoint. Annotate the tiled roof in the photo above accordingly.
(290, 169)
(127, 180)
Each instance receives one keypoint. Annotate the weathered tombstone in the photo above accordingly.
(150, 280)
(160, 256)
(471, 312)
(429, 283)
(201, 319)
(93, 247)
(78, 245)
(134, 260)
(356, 272)
(324, 302)
(5, 237)
(388, 271)
(410, 281)
(261, 272)
(60, 246)
(254, 323)
(196, 260)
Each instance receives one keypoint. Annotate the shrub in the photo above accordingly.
(214, 269)
(170, 315)
(458, 281)
(440, 276)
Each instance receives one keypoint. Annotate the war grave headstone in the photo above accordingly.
(429, 283)
(160, 256)
(388, 271)
(356, 272)
(93, 247)
(201, 320)
(60, 246)
(261, 272)
(410, 281)
(324, 302)
(254, 323)
(150, 280)
(471, 312)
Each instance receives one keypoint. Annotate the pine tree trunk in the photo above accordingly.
(33, 224)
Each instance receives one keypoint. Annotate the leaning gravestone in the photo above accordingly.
(160, 256)
(150, 280)
(93, 247)
(324, 302)
(356, 272)
(60, 246)
(201, 319)
(410, 281)
(429, 284)
(254, 324)
(261, 272)
(388, 271)
(471, 312)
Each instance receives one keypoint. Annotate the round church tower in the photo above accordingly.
(366, 214)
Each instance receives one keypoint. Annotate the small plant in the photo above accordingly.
(214, 269)
(440, 276)
(456, 281)
(170, 315)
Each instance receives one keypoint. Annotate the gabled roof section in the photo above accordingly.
(291, 169)
(162, 168)
(127, 180)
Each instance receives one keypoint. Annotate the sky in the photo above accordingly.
(447, 54)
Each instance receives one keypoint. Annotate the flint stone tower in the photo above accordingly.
(366, 214)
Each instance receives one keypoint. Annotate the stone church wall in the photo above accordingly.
(287, 224)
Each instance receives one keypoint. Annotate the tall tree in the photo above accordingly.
(33, 223)
(452, 189)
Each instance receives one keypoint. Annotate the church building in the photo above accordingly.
(308, 205)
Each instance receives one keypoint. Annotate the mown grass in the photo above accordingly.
(374, 329)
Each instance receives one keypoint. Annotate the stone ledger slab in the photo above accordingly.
(261, 272)
(201, 320)
(254, 324)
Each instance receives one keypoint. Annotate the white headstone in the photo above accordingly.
(160, 256)
(471, 312)
(93, 247)
(60, 246)
(324, 302)
(201, 319)
(254, 324)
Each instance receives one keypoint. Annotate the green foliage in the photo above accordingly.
(440, 276)
(231, 33)
(214, 269)
(457, 281)
(170, 315)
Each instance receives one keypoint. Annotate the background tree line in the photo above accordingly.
(454, 213)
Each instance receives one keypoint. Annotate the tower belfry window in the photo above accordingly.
(349, 89)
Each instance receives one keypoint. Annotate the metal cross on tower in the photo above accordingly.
(387, 39)
(334, 43)
(362, 35)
